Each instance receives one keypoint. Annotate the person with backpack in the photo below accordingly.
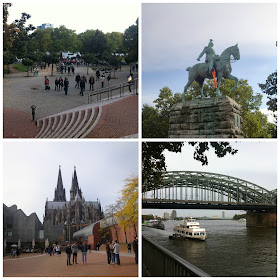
(47, 84)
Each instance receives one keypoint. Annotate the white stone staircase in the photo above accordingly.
(71, 124)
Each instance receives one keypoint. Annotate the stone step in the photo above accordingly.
(63, 126)
(87, 123)
(94, 123)
(75, 124)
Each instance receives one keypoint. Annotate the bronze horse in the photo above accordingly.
(199, 72)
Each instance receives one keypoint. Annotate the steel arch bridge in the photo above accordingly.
(204, 190)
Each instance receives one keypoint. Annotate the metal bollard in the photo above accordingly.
(33, 107)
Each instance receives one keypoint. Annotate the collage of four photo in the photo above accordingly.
(139, 139)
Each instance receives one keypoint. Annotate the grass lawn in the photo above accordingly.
(20, 67)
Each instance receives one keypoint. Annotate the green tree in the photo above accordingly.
(88, 58)
(15, 36)
(64, 39)
(9, 34)
(93, 42)
(270, 89)
(151, 123)
(86, 38)
(155, 122)
(114, 42)
(130, 43)
(153, 159)
(27, 62)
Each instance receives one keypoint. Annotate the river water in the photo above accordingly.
(230, 249)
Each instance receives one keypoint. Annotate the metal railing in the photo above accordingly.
(108, 91)
(158, 261)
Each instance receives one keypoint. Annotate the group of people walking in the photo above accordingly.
(81, 81)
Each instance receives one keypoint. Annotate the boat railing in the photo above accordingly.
(158, 261)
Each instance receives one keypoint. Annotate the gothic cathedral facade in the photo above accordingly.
(62, 218)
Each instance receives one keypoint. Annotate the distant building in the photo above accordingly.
(223, 214)
(45, 25)
(166, 215)
(17, 225)
(173, 214)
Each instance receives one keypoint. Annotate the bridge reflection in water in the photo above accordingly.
(204, 190)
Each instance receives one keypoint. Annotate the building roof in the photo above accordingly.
(61, 204)
(85, 232)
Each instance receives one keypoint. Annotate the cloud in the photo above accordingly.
(175, 34)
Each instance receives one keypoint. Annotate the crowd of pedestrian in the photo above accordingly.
(80, 82)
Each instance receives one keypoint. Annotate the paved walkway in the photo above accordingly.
(118, 119)
(20, 91)
(18, 124)
(37, 265)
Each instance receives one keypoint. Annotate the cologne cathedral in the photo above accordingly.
(63, 218)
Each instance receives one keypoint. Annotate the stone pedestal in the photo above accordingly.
(216, 117)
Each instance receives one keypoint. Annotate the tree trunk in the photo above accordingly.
(125, 235)
(135, 229)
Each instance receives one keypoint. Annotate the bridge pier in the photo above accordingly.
(261, 219)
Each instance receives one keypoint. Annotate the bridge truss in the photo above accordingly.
(196, 190)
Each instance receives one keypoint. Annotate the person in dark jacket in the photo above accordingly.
(68, 253)
(77, 79)
(135, 249)
(84, 252)
(82, 85)
(129, 248)
(66, 85)
(91, 83)
(108, 251)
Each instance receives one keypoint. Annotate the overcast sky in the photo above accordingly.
(31, 171)
(107, 16)
(256, 162)
(173, 36)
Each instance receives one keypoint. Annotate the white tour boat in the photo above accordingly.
(189, 228)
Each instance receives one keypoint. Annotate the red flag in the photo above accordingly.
(214, 77)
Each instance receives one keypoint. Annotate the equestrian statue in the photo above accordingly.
(215, 67)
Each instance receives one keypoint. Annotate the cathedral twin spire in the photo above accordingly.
(75, 191)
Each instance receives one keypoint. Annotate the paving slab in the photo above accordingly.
(43, 265)
(21, 92)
